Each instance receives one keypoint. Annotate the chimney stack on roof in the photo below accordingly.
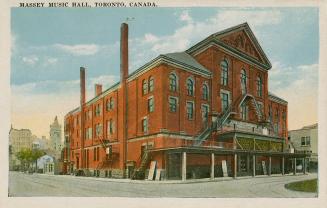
(98, 89)
(123, 52)
(82, 86)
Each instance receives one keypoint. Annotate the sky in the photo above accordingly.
(49, 46)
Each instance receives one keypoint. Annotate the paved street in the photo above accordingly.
(21, 184)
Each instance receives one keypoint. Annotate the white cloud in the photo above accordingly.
(148, 47)
(34, 105)
(30, 60)
(150, 38)
(52, 60)
(185, 16)
(299, 86)
(79, 50)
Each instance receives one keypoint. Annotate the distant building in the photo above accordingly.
(55, 136)
(48, 164)
(306, 140)
(40, 143)
(19, 139)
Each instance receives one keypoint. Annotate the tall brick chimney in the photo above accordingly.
(123, 52)
(82, 82)
(98, 89)
(123, 82)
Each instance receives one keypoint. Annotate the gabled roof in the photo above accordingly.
(277, 99)
(216, 39)
(186, 59)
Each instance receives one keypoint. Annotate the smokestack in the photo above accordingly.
(82, 77)
(82, 80)
(123, 52)
(98, 89)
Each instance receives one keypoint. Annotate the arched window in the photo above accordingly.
(151, 84)
(205, 92)
(244, 111)
(243, 81)
(144, 87)
(190, 86)
(172, 82)
(224, 72)
(259, 86)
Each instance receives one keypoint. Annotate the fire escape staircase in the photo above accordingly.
(203, 136)
(139, 173)
(109, 158)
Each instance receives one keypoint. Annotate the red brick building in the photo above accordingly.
(189, 112)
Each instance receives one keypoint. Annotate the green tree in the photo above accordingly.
(28, 156)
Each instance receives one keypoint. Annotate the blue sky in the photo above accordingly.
(49, 46)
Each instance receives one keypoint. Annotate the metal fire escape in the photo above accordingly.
(143, 161)
(230, 110)
(111, 155)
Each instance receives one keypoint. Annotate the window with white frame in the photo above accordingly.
(144, 87)
(97, 110)
(98, 129)
(243, 81)
(151, 84)
(224, 72)
(172, 82)
(145, 125)
(88, 133)
(260, 106)
(110, 127)
(244, 111)
(151, 104)
(224, 101)
(205, 92)
(189, 110)
(259, 86)
(205, 112)
(172, 104)
(190, 87)
(305, 141)
(110, 104)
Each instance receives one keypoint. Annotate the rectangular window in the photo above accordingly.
(305, 141)
(98, 129)
(205, 112)
(189, 110)
(151, 84)
(110, 127)
(302, 141)
(172, 104)
(145, 125)
(151, 104)
(144, 87)
(224, 101)
(260, 108)
(88, 133)
(308, 141)
(97, 110)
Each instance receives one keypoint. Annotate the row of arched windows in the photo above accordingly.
(224, 76)
(190, 86)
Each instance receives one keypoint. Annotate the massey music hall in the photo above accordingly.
(201, 113)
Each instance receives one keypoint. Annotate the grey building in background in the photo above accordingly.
(306, 140)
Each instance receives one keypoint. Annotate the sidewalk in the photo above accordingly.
(202, 180)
